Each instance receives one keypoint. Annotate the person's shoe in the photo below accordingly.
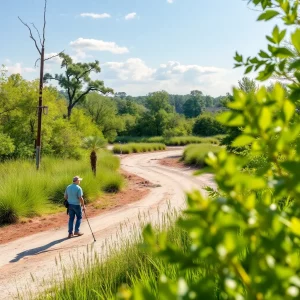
(70, 235)
(78, 233)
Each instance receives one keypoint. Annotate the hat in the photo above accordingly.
(76, 178)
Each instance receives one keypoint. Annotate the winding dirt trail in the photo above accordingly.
(35, 256)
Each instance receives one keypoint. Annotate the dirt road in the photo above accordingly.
(35, 256)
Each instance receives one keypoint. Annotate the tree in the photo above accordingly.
(248, 85)
(193, 106)
(77, 81)
(93, 144)
(157, 101)
(121, 95)
(195, 93)
(41, 51)
(103, 111)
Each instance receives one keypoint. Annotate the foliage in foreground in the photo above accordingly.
(23, 193)
(138, 148)
(248, 230)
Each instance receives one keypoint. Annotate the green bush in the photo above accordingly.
(137, 148)
(207, 125)
(195, 154)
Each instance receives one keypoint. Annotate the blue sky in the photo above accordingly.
(142, 45)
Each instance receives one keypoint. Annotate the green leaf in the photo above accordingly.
(248, 69)
(231, 119)
(268, 15)
(265, 118)
(295, 37)
(263, 54)
(238, 58)
(242, 140)
(288, 110)
(295, 225)
(275, 34)
(282, 52)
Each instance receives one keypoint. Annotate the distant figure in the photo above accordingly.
(74, 195)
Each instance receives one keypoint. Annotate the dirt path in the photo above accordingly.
(35, 256)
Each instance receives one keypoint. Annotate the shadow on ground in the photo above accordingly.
(37, 250)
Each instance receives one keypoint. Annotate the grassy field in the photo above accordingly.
(128, 264)
(137, 148)
(173, 141)
(195, 154)
(25, 192)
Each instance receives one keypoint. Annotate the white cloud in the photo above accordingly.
(132, 70)
(95, 16)
(135, 77)
(194, 73)
(17, 68)
(170, 1)
(130, 16)
(82, 44)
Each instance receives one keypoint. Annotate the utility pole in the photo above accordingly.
(40, 109)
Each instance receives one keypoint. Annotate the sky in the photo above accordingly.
(142, 45)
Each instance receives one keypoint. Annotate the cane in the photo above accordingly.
(89, 225)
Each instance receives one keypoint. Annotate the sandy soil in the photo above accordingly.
(35, 256)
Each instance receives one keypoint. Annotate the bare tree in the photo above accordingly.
(41, 51)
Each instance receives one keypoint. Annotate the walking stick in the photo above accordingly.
(89, 225)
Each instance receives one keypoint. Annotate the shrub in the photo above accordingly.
(195, 154)
(207, 125)
(137, 148)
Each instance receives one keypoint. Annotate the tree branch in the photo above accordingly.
(36, 62)
(31, 36)
(83, 94)
(37, 33)
(44, 29)
(54, 56)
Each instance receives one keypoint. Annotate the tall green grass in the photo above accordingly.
(195, 154)
(137, 148)
(172, 141)
(127, 263)
(25, 192)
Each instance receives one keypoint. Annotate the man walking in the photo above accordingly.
(74, 195)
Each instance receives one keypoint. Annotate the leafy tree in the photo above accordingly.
(193, 106)
(247, 85)
(158, 101)
(195, 93)
(77, 81)
(93, 144)
(121, 95)
(103, 111)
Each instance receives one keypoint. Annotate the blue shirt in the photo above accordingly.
(74, 192)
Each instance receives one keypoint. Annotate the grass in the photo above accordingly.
(129, 264)
(25, 192)
(195, 154)
(172, 141)
(138, 148)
